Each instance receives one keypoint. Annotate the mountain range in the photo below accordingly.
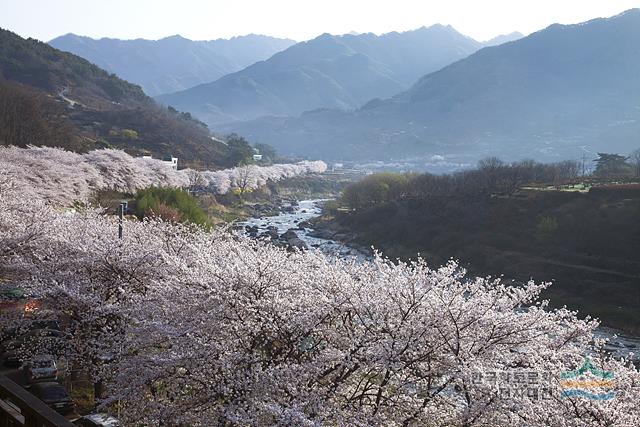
(172, 63)
(561, 92)
(341, 72)
(55, 98)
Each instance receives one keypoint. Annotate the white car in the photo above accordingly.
(42, 368)
(97, 420)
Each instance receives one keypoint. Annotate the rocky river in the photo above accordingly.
(292, 228)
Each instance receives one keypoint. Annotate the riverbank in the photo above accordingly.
(272, 198)
(586, 244)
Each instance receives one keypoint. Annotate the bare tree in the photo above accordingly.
(634, 158)
(245, 178)
(197, 180)
(490, 163)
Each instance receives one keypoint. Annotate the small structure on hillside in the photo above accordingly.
(168, 160)
(171, 161)
(256, 155)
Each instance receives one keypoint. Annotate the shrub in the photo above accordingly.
(171, 204)
(375, 189)
(129, 134)
(547, 226)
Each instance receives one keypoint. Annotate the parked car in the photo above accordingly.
(41, 368)
(44, 333)
(11, 353)
(46, 324)
(28, 326)
(12, 300)
(97, 420)
(54, 395)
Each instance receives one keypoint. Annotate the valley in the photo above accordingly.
(340, 214)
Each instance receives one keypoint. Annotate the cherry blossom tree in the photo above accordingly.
(61, 177)
(188, 327)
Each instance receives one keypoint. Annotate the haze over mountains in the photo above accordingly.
(172, 63)
(557, 93)
(329, 71)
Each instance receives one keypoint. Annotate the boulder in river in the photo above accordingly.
(272, 232)
(321, 234)
(251, 228)
(297, 243)
(289, 234)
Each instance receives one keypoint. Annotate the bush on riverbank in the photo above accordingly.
(170, 204)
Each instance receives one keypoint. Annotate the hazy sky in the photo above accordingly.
(297, 19)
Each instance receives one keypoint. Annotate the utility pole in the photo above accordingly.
(121, 209)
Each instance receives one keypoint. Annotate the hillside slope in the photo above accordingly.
(327, 72)
(54, 98)
(172, 63)
(558, 93)
(38, 65)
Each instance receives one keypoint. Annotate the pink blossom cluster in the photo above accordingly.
(253, 176)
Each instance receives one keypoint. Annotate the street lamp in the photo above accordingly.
(121, 210)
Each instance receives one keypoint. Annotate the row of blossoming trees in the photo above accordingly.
(186, 327)
(64, 177)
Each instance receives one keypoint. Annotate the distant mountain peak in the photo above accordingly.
(631, 14)
(627, 13)
(172, 63)
(174, 37)
(70, 36)
(325, 36)
(503, 38)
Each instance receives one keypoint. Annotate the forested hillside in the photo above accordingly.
(55, 98)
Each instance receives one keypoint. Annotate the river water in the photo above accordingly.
(620, 344)
(292, 216)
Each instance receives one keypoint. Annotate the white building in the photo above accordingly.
(171, 161)
(167, 160)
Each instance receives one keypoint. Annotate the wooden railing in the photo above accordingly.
(18, 407)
